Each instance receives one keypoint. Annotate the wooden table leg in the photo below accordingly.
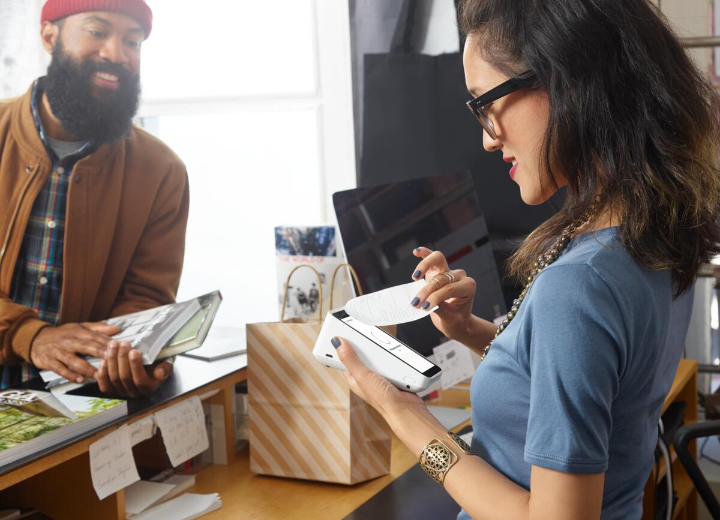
(224, 398)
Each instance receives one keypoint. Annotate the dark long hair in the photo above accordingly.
(629, 114)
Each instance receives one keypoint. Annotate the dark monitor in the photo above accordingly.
(381, 225)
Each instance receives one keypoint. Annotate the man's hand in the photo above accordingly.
(58, 348)
(122, 372)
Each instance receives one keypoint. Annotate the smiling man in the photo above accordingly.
(94, 209)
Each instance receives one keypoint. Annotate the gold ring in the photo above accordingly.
(449, 276)
(436, 281)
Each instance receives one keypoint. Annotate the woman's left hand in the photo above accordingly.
(377, 391)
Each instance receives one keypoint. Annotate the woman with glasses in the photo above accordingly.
(596, 96)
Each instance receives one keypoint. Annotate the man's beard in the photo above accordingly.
(91, 113)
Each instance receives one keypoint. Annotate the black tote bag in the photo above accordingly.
(416, 125)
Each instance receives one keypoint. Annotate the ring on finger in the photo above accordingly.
(449, 276)
(436, 281)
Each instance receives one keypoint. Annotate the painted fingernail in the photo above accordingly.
(415, 301)
(425, 305)
(335, 342)
(417, 249)
(417, 274)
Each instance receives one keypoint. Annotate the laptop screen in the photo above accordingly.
(381, 225)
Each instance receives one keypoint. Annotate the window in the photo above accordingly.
(255, 98)
(22, 57)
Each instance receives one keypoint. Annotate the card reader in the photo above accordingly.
(379, 351)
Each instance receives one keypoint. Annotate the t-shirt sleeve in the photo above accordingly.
(577, 352)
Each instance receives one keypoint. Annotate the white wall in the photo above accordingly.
(22, 57)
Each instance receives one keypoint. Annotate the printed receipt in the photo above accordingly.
(183, 430)
(389, 306)
(112, 466)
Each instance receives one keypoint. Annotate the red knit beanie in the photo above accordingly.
(136, 9)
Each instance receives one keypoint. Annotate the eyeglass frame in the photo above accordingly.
(526, 79)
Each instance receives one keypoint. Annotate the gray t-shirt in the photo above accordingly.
(64, 148)
(577, 380)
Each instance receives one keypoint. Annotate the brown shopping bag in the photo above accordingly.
(304, 420)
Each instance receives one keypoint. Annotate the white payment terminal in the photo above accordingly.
(379, 351)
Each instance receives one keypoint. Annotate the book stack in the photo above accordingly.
(31, 421)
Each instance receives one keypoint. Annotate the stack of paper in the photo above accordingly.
(143, 494)
(185, 507)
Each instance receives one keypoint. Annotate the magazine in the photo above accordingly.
(149, 331)
(193, 333)
(315, 246)
(32, 420)
(157, 333)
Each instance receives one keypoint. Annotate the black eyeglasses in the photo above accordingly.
(477, 105)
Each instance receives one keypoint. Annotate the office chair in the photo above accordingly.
(682, 438)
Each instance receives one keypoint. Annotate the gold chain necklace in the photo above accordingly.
(541, 263)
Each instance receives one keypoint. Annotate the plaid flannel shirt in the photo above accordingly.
(37, 279)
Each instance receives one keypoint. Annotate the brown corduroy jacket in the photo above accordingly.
(127, 209)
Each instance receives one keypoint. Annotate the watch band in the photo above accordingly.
(464, 446)
(437, 459)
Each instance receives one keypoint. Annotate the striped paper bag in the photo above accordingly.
(304, 420)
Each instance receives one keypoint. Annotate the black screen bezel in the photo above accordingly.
(340, 315)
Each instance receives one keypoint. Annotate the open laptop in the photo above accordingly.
(381, 225)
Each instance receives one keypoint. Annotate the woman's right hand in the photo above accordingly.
(454, 299)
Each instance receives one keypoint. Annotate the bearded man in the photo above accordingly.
(94, 209)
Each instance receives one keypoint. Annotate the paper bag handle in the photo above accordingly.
(332, 283)
(320, 291)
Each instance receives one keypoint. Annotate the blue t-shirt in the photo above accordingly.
(577, 380)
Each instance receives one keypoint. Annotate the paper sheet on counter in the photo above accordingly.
(388, 307)
(184, 507)
(456, 362)
(143, 494)
(112, 466)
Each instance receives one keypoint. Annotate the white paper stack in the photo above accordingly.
(145, 494)
(185, 507)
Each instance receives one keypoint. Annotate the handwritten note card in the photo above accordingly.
(142, 430)
(183, 430)
(112, 466)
